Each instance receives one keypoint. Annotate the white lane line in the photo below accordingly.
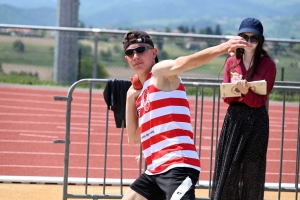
(294, 109)
(271, 138)
(58, 132)
(72, 142)
(27, 141)
(62, 154)
(29, 93)
(36, 135)
(33, 108)
(103, 133)
(103, 105)
(43, 109)
(110, 155)
(272, 122)
(100, 123)
(94, 115)
(286, 118)
(112, 125)
(94, 105)
(75, 128)
(109, 168)
(61, 167)
(110, 133)
(30, 122)
(125, 144)
(272, 130)
(71, 180)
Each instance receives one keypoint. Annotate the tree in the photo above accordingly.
(193, 29)
(183, 29)
(218, 30)
(167, 29)
(208, 30)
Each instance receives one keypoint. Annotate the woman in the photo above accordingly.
(240, 163)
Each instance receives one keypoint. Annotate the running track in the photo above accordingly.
(30, 120)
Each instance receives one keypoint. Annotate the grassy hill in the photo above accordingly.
(32, 16)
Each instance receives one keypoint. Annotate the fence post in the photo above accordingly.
(95, 54)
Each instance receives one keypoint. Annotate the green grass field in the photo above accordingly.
(33, 54)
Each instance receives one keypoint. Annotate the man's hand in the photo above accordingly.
(131, 116)
(234, 43)
(132, 93)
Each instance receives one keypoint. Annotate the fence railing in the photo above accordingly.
(117, 166)
(33, 50)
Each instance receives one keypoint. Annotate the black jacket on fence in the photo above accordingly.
(115, 97)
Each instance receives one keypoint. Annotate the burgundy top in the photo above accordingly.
(266, 70)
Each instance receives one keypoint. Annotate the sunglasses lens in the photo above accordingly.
(141, 49)
(129, 52)
(254, 40)
(245, 38)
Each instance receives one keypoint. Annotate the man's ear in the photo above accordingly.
(155, 52)
(126, 59)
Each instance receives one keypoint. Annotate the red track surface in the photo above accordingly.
(30, 120)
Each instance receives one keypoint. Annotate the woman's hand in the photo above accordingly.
(235, 77)
(243, 86)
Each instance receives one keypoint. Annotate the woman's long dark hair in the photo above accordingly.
(255, 59)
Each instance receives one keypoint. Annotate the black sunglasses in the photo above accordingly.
(253, 38)
(140, 49)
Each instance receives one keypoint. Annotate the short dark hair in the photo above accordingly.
(139, 36)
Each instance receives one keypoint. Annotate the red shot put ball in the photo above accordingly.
(136, 82)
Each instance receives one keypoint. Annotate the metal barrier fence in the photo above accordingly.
(31, 50)
(207, 116)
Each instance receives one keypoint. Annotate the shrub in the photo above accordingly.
(86, 50)
(106, 55)
(86, 70)
(19, 46)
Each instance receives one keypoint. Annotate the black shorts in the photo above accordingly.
(177, 183)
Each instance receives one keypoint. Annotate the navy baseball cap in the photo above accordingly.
(139, 36)
(251, 25)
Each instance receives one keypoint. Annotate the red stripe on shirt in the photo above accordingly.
(166, 150)
(166, 135)
(163, 120)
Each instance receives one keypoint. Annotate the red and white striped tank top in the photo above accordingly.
(165, 128)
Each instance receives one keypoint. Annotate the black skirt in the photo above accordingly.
(240, 163)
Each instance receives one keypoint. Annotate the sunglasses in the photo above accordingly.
(253, 38)
(140, 49)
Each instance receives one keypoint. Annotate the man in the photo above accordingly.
(158, 116)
